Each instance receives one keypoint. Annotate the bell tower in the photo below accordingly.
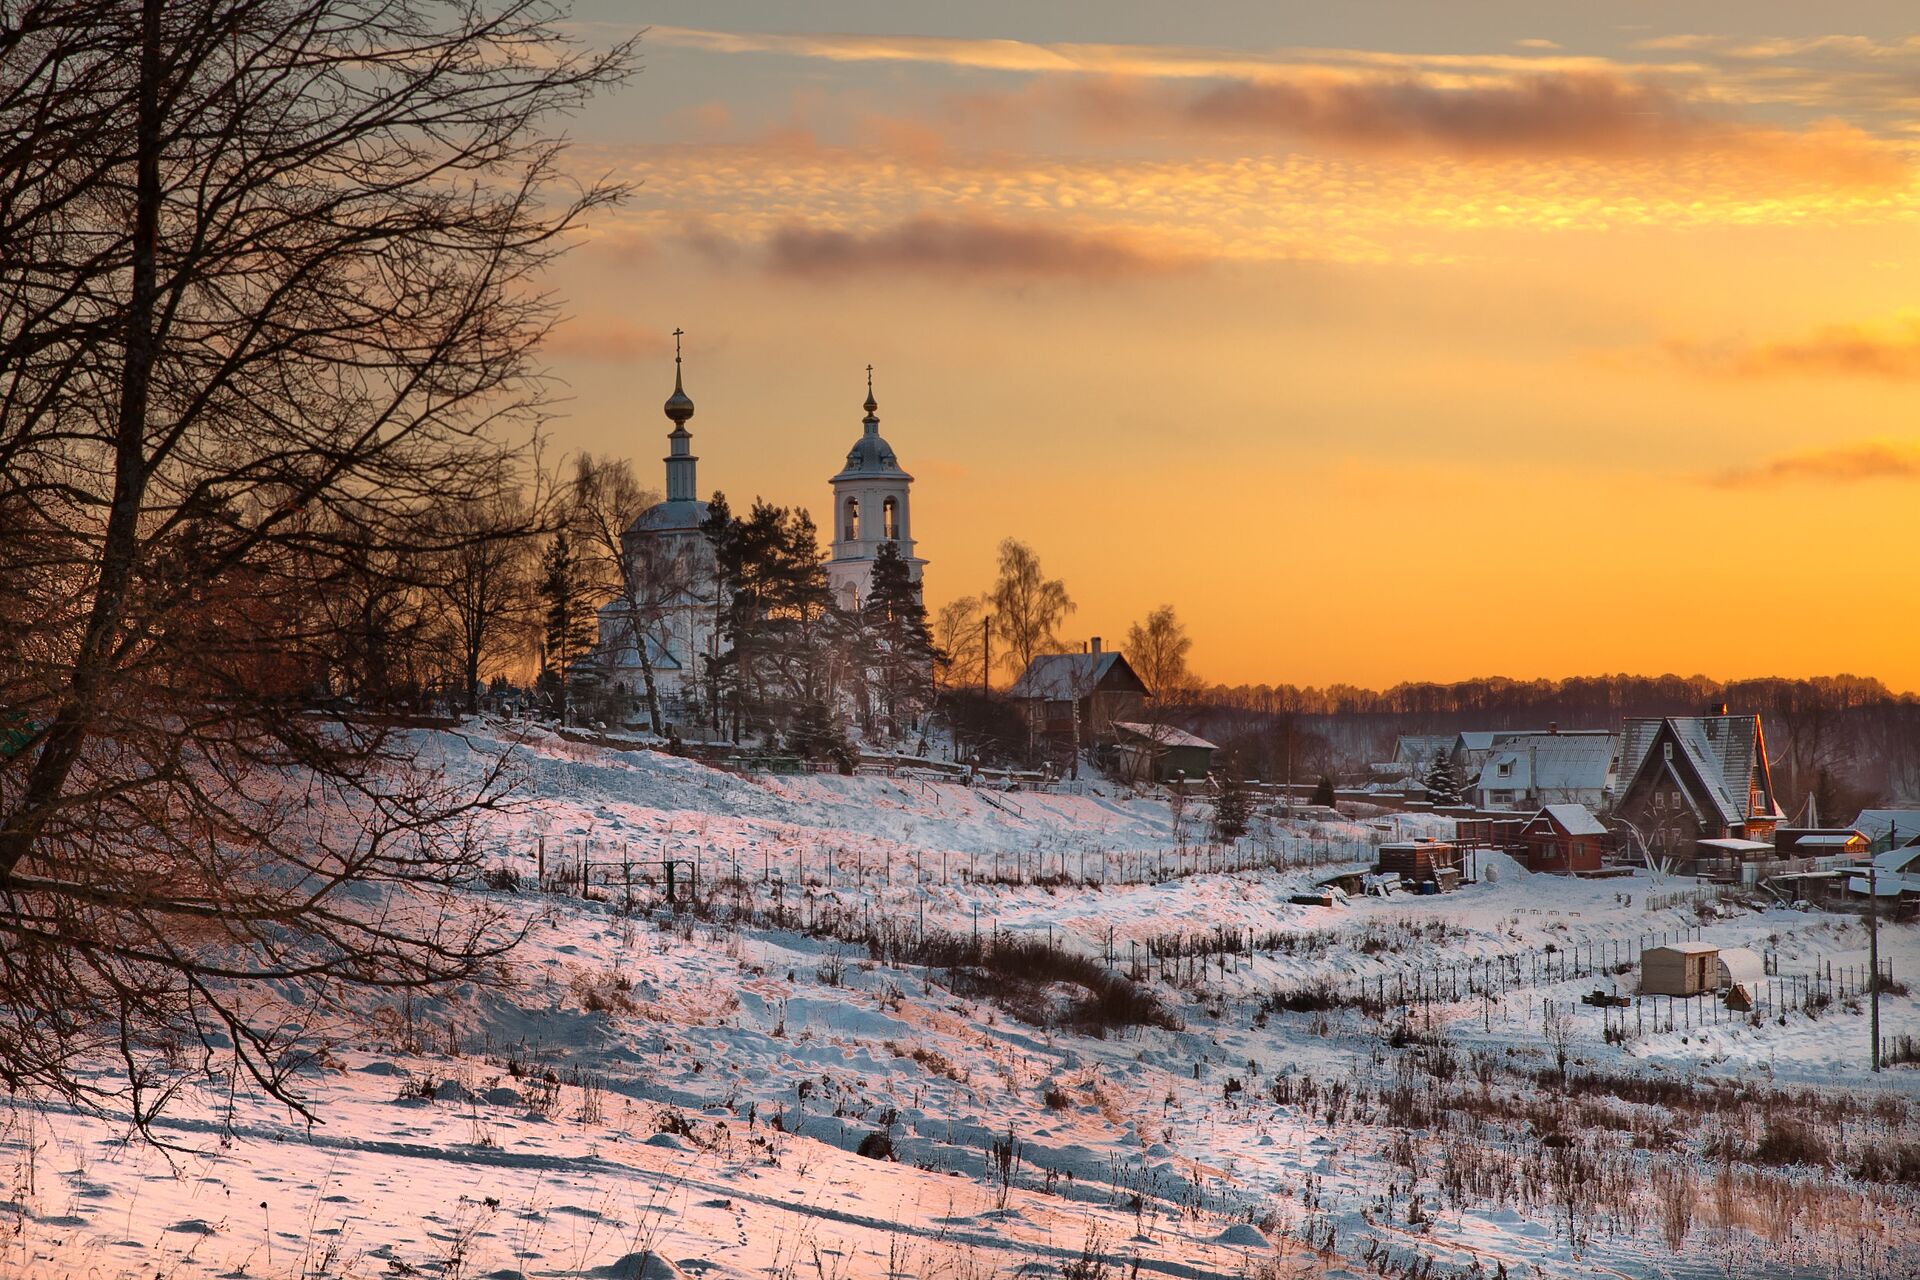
(871, 508)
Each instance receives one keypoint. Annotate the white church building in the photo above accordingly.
(672, 563)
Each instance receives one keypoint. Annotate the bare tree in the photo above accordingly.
(648, 579)
(268, 296)
(1027, 605)
(957, 631)
(483, 582)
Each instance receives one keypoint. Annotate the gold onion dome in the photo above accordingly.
(679, 406)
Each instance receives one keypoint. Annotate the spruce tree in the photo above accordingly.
(1323, 792)
(1443, 787)
(570, 621)
(897, 649)
(1232, 808)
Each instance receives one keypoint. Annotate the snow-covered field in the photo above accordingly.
(689, 1091)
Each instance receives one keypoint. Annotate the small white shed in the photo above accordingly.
(1679, 969)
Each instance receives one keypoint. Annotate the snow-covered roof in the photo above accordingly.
(1544, 763)
(1734, 844)
(1419, 749)
(1897, 861)
(1878, 824)
(1062, 677)
(1828, 839)
(1741, 967)
(1724, 751)
(1687, 948)
(1163, 735)
(1575, 819)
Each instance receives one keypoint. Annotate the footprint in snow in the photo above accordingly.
(193, 1227)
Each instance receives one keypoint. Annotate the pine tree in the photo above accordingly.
(1323, 792)
(897, 649)
(1232, 808)
(570, 620)
(1443, 787)
(778, 619)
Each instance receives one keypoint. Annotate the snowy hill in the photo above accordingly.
(897, 1027)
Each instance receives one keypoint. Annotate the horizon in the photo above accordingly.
(1370, 341)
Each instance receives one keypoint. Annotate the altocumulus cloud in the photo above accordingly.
(1843, 464)
(1890, 351)
(969, 246)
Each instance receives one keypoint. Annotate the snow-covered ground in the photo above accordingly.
(659, 1092)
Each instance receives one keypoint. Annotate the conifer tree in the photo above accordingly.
(1323, 792)
(778, 620)
(897, 648)
(1232, 808)
(1443, 786)
(570, 621)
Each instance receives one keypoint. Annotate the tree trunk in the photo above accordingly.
(61, 747)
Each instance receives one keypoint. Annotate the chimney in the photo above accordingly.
(1553, 726)
(1095, 642)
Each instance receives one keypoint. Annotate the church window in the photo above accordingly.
(890, 513)
(853, 519)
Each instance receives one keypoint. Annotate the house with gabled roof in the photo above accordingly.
(1694, 778)
(1889, 828)
(1078, 696)
(1526, 770)
(1563, 839)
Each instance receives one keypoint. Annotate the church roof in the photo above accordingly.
(871, 456)
(670, 517)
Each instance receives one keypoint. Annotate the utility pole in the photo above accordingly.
(1873, 953)
(986, 652)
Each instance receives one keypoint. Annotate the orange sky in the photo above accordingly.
(1380, 353)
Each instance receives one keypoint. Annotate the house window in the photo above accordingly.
(1506, 768)
(853, 519)
(1659, 799)
(890, 519)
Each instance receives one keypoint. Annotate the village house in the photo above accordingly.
(1527, 770)
(1563, 839)
(1079, 696)
(1889, 828)
(1158, 752)
(1696, 783)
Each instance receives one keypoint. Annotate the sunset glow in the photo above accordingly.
(1383, 347)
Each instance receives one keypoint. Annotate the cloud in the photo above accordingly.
(1566, 112)
(1890, 351)
(1068, 57)
(1844, 464)
(602, 339)
(968, 246)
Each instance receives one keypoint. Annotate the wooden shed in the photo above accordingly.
(1564, 838)
(1679, 969)
(1420, 861)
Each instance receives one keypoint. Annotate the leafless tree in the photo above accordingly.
(483, 582)
(957, 630)
(268, 296)
(648, 579)
(1027, 606)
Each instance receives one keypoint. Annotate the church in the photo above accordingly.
(671, 565)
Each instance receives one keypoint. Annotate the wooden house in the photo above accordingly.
(1694, 778)
(1079, 695)
(1563, 839)
(1158, 752)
